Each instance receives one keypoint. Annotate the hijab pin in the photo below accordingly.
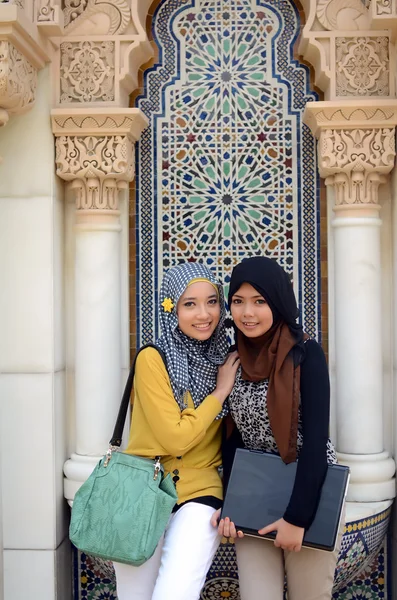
(167, 304)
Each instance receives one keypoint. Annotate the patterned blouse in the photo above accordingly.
(248, 407)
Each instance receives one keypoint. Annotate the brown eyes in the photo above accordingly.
(211, 302)
(258, 301)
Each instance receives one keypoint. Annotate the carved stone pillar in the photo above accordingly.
(22, 54)
(356, 152)
(95, 152)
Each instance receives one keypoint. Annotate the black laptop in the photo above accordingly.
(259, 491)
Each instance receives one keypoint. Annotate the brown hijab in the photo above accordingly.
(276, 355)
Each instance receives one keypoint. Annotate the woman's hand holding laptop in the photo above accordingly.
(225, 526)
(288, 537)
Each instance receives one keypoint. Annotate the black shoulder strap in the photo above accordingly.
(125, 401)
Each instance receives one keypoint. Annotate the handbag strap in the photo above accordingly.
(125, 401)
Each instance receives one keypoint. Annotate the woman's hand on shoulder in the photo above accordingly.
(225, 526)
(288, 537)
(226, 376)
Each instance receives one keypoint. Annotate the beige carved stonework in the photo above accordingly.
(341, 14)
(73, 9)
(18, 79)
(353, 115)
(45, 11)
(384, 16)
(348, 58)
(87, 71)
(103, 46)
(118, 14)
(355, 161)
(356, 150)
(383, 7)
(95, 156)
(362, 66)
(129, 122)
(95, 152)
(49, 17)
(22, 54)
(96, 194)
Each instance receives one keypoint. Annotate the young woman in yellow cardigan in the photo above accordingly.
(177, 414)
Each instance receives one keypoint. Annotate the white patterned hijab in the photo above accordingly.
(192, 365)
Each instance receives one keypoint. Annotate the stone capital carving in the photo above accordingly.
(19, 30)
(356, 150)
(18, 79)
(22, 54)
(129, 122)
(96, 153)
(357, 114)
(355, 161)
(100, 156)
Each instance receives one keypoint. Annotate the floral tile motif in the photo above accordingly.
(370, 584)
(360, 543)
(226, 169)
(361, 571)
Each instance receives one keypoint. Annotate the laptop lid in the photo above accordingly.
(259, 491)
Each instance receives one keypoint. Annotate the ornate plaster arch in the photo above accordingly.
(167, 88)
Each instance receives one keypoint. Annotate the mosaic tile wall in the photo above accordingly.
(226, 168)
(360, 574)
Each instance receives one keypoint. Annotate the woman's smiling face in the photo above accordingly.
(199, 311)
(251, 313)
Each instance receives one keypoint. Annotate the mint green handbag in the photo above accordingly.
(122, 510)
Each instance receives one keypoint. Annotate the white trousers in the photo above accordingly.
(178, 568)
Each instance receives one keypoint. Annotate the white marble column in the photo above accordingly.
(359, 371)
(97, 334)
(97, 331)
(99, 166)
(358, 333)
(354, 162)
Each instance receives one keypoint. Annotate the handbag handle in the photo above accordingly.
(125, 401)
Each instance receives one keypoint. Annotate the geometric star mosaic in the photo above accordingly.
(226, 169)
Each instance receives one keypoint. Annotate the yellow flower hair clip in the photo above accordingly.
(167, 304)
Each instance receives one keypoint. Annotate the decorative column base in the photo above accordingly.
(371, 476)
(77, 469)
